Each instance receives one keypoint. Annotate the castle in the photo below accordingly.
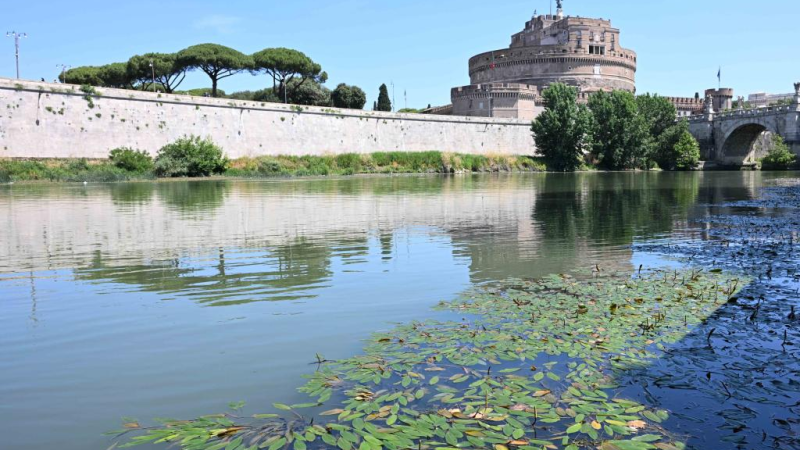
(581, 52)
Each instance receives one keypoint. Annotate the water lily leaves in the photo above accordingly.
(278, 444)
(652, 416)
(481, 392)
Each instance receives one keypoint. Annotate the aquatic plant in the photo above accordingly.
(532, 365)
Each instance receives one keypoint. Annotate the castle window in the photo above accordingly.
(597, 50)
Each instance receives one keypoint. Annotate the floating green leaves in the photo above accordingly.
(532, 367)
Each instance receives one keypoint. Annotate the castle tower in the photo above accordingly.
(581, 52)
(722, 98)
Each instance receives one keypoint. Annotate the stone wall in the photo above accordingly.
(43, 120)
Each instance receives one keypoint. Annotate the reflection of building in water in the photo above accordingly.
(249, 240)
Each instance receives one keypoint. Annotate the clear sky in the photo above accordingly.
(421, 45)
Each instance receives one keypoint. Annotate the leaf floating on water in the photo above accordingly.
(636, 424)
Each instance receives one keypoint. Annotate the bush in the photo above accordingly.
(200, 92)
(687, 152)
(676, 148)
(779, 157)
(190, 157)
(132, 160)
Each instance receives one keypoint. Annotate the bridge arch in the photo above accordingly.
(746, 143)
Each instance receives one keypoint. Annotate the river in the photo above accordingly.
(175, 298)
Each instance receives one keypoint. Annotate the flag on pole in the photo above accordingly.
(719, 74)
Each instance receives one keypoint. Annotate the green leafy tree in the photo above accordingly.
(216, 61)
(687, 152)
(664, 149)
(168, 74)
(620, 134)
(84, 75)
(779, 156)
(115, 75)
(658, 112)
(345, 96)
(563, 130)
(384, 103)
(307, 93)
(285, 66)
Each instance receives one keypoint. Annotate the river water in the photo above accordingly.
(172, 299)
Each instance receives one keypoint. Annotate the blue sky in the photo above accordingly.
(422, 46)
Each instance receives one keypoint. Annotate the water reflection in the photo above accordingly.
(107, 290)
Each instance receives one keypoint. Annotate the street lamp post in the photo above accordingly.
(64, 68)
(153, 69)
(17, 37)
(392, 83)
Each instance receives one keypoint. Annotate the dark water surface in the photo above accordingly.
(173, 299)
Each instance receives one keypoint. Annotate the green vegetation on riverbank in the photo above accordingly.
(80, 170)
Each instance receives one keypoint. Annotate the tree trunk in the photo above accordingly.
(213, 87)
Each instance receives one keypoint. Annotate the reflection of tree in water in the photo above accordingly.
(612, 209)
(283, 272)
(580, 220)
(193, 196)
(132, 193)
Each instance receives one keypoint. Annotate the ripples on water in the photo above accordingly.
(175, 298)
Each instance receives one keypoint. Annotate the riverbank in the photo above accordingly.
(84, 170)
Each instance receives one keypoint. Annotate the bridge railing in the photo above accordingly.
(765, 110)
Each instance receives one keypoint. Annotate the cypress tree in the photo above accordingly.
(384, 103)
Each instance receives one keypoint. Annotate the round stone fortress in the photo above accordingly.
(581, 52)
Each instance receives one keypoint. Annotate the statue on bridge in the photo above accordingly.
(709, 105)
(797, 93)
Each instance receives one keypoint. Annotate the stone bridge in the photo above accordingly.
(738, 137)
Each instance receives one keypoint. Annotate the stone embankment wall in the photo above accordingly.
(43, 120)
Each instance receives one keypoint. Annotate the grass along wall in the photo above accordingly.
(44, 120)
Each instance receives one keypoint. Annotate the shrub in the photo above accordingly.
(131, 160)
(676, 148)
(687, 152)
(779, 157)
(190, 157)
